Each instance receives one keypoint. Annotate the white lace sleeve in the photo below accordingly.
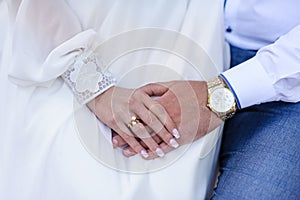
(87, 78)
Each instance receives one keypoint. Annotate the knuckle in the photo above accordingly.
(147, 118)
(149, 85)
(132, 101)
(157, 109)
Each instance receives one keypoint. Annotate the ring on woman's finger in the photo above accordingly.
(134, 121)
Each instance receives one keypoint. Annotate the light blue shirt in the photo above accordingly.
(273, 26)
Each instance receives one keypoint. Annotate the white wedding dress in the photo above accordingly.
(54, 148)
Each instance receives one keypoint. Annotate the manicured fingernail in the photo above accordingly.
(176, 133)
(128, 153)
(159, 152)
(174, 143)
(115, 142)
(144, 153)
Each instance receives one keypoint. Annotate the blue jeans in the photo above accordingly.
(260, 152)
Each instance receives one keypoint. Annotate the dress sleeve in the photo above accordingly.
(49, 42)
(272, 75)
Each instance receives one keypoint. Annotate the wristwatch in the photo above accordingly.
(220, 100)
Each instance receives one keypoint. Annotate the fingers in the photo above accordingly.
(118, 141)
(137, 136)
(159, 89)
(132, 141)
(153, 118)
(128, 151)
(154, 89)
(160, 112)
(154, 121)
(140, 131)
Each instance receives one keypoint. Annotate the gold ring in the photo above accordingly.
(134, 121)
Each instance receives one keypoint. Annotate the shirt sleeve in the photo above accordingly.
(49, 42)
(272, 75)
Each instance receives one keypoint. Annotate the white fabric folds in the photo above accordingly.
(53, 147)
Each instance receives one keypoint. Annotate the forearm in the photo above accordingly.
(272, 75)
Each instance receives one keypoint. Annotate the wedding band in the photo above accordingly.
(134, 121)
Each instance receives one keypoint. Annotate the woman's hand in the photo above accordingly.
(186, 104)
(134, 115)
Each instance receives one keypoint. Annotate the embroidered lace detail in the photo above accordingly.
(87, 79)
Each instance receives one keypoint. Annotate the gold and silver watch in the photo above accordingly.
(221, 100)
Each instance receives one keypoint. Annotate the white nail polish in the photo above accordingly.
(176, 133)
(115, 142)
(159, 152)
(144, 154)
(127, 152)
(174, 143)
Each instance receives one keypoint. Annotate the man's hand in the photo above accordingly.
(186, 104)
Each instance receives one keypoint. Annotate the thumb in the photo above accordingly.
(155, 89)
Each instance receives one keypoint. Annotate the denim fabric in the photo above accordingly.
(260, 152)
(239, 55)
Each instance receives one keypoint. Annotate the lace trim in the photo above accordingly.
(87, 79)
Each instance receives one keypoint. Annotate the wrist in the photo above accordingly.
(200, 89)
(100, 99)
(221, 99)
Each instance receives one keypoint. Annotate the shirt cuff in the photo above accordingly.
(250, 83)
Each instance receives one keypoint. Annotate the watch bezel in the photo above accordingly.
(227, 91)
(213, 85)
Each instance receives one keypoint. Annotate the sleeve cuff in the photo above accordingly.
(250, 83)
(87, 78)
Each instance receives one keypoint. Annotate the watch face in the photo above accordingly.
(221, 99)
